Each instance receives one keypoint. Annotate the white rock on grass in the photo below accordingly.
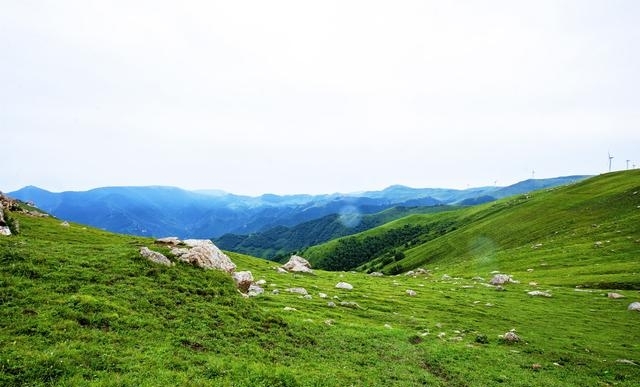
(243, 280)
(297, 264)
(302, 291)
(344, 285)
(155, 256)
(203, 253)
(501, 279)
(411, 293)
(255, 290)
(539, 293)
(322, 295)
(511, 337)
(634, 306)
(290, 309)
(615, 296)
(376, 274)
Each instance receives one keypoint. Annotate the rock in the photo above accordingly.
(411, 293)
(501, 279)
(297, 264)
(4, 230)
(634, 306)
(169, 241)
(322, 295)
(532, 283)
(344, 285)
(536, 366)
(388, 326)
(421, 271)
(302, 291)
(261, 282)
(275, 291)
(529, 270)
(329, 322)
(64, 224)
(179, 251)
(243, 280)
(290, 309)
(410, 272)
(203, 253)
(615, 296)
(348, 304)
(331, 304)
(539, 293)
(307, 297)
(155, 256)
(446, 277)
(511, 337)
(376, 274)
(255, 290)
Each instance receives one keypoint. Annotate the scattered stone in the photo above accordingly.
(348, 304)
(501, 279)
(281, 270)
(376, 274)
(410, 272)
(322, 295)
(261, 282)
(615, 296)
(536, 367)
(634, 306)
(203, 253)
(344, 285)
(411, 293)
(297, 264)
(441, 335)
(626, 361)
(302, 291)
(243, 280)
(510, 337)
(529, 270)
(388, 326)
(169, 241)
(537, 245)
(290, 309)
(422, 271)
(155, 256)
(446, 277)
(488, 304)
(275, 291)
(64, 224)
(331, 304)
(532, 283)
(307, 297)
(179, 251)
(597, 244)
(255, 290)
(539, 293)
(467, 287)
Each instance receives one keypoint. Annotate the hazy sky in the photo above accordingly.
(315, 96)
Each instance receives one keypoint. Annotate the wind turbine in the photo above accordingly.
(628, 163)
(610, 158)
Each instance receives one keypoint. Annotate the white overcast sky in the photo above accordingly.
(315, 96)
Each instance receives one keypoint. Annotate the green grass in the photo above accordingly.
(80, 307)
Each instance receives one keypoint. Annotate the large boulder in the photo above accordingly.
(155, 256)
(203, 253)
(298, 264)
(634, 306)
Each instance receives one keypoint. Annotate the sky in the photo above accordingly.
(315, 97)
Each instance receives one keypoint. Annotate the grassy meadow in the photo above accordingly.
(80, 307)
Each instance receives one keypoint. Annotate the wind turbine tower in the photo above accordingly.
(610, 158)
(628, 164)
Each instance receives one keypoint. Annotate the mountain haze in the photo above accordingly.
(161, 211)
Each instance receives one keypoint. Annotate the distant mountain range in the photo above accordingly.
(162, 211)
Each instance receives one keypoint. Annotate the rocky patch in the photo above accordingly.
(297, 264)
(155, 256)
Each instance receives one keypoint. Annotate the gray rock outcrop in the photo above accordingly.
(297, 264)
(302, 291)
(539, 293)
(155, 256)
(203, 253)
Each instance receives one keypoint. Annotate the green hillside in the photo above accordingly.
(582, 234)
(80, 307)
(280, 242)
